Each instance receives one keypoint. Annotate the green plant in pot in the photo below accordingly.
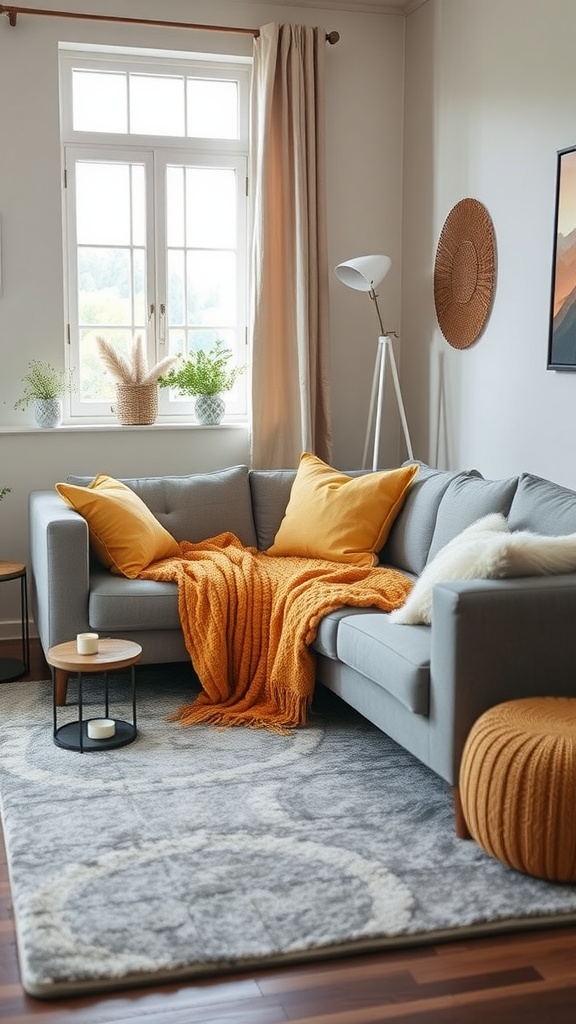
(204, 376)
(3, 492)
(44, 387)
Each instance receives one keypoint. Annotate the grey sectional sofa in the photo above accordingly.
(490, 640)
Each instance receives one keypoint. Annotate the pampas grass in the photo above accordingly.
(135, 369)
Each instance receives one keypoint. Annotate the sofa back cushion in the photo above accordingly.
(466, 500)
(543, 507)
(198, 506)
(270, 490)
(411, 535)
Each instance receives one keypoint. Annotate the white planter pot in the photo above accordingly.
(48, 412)
(209, 409)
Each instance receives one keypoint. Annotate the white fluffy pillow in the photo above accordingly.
(468, 556)
(530, 554)
(486, 550)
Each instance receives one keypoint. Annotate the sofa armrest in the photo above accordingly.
(493, 641)
(59, 562)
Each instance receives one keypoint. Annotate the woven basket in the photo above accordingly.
(136, 404)
(464, 273)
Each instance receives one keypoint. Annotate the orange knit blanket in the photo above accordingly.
(248, 620)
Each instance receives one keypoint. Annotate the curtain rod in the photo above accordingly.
(13, 12)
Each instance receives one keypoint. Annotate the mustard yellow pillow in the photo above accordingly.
(338, 517)
(124, 533)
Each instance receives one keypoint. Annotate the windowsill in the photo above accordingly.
(83, 428)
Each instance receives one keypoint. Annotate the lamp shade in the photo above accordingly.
(364, 273)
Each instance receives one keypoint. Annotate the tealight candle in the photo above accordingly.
(87, 643)
(100, 728)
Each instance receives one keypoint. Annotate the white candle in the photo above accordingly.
(101, 728)
(87, 643)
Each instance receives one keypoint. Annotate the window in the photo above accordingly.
(155, 172)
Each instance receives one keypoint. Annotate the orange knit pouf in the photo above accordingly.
(518, 785)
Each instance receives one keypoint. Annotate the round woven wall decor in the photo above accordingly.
(464, 273)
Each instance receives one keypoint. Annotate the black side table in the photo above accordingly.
(112, 655)
(14, 668)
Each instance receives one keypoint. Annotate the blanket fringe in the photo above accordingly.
(285, 712)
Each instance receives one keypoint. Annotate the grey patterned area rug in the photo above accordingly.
(196, 851)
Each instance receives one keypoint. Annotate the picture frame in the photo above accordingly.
(562, 328)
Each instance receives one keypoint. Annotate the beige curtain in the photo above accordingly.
(290, 325)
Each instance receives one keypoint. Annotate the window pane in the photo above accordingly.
(184, 342)
(103, 203)
(96, 385)
(138, 205)
(176, 275)
(212, 111)
(139, 285)
(175, 205)
(210, 207)
(156, 105)
(206, 339)
(104, 286)
(176, 342)
(99, 102)
(211, 288)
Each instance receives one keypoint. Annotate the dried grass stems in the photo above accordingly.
(135, 369)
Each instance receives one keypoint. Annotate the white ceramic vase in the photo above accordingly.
(209, 409)
(48, 412)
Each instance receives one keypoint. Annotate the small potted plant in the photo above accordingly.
(44, 387)
(136, 382)
(3, 492)
(204, 376)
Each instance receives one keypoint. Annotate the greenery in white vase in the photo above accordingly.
(3, 492)
(203, 373)
(44, 380)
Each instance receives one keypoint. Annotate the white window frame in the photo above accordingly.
(156, 152)
(168, 404)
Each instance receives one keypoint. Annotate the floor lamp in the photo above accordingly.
(364, 273)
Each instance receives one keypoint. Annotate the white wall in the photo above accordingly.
(490, 98)
(364, 140)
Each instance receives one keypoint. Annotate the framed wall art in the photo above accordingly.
(562, 331)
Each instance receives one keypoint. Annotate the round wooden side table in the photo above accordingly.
(112, 655)
(14, 668)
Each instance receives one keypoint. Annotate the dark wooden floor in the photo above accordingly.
(524, 978)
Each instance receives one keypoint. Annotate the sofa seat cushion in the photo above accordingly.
(327, 632)
(397, 658)
(119, 604)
